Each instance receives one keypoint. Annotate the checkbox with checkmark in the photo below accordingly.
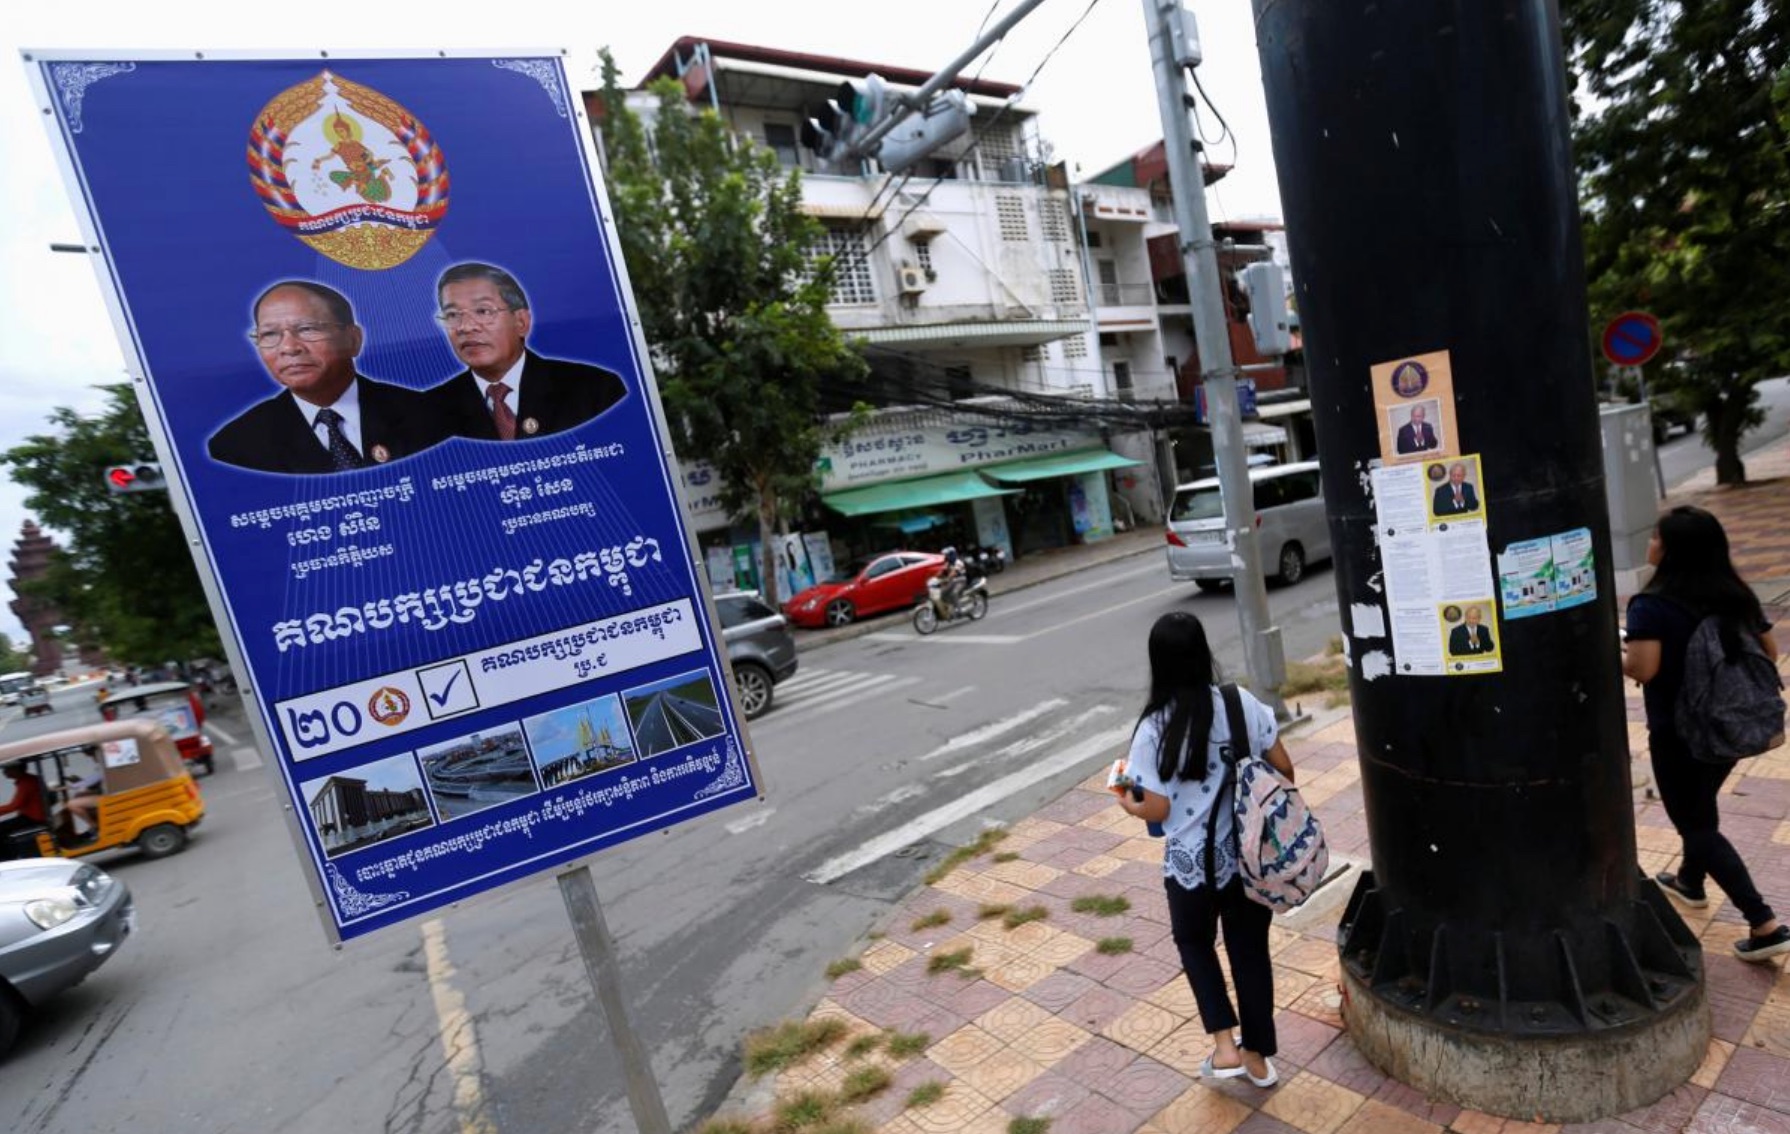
(447, 689)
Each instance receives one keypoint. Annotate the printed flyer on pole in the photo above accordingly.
(383, 337)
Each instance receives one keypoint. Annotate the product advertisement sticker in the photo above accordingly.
(1538, 576)
(389, 357)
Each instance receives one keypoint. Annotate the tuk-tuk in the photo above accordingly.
(176, 705)
(117, 784)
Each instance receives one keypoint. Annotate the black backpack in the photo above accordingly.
(1731, 705)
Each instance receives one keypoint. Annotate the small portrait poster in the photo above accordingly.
(1414, 398)
(1471, 636)
(1456, 490)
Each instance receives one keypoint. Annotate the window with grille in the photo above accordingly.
(997, 145)
(1053, 223)
(1075, 347)
(781, 138)
(923, 257)
(1122, 381)
(1065, 288)
(1010, 212)
(852, 281)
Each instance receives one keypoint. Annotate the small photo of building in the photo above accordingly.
(579, 740)
(470, 773)
(369, 804)
(672, 713)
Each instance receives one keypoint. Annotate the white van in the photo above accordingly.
(1291, 530)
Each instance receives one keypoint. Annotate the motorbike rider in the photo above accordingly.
(951, 582)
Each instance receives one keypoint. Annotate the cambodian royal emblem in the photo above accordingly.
(349, 172)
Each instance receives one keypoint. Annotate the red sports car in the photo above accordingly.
(893, 580)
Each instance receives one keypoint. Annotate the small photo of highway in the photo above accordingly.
(368, 804)
(470, 773)
(672, 713)
(579, 740)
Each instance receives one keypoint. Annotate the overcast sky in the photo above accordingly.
(1095, 96)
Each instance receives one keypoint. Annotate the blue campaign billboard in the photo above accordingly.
(386, 345)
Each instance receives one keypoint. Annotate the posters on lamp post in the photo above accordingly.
(384, 340)
(1440, 594)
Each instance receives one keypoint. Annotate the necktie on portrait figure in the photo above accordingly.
(501, 413)
(341, 452)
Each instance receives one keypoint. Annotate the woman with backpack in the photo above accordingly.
(1694, 579)
(1173, 776)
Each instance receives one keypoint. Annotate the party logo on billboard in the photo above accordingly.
(349, 172)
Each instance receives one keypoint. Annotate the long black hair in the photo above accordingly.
(1181, 678)
(1696, 572)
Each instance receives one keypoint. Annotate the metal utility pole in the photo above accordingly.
(1505, 953)
(1218, 371)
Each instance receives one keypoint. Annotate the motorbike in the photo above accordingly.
(971, 604)
(992, 560)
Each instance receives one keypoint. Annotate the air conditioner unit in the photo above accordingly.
(911, 280)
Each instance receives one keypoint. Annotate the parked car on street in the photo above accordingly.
(893, 580)
(35, 700)
(1291, 528)
(759, 645)
(59, 921)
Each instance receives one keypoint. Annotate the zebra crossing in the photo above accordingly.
(812, 692)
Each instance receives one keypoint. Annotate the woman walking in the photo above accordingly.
(1177, 770)
(1694, 579)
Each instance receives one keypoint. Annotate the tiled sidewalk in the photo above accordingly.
(1111, 1044)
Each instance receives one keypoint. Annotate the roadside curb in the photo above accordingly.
(1012, 580)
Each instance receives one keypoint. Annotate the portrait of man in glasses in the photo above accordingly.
(328, 418)
(508, 392)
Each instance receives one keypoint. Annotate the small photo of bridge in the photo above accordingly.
(579, 740)
(672, 713)
(473, 772)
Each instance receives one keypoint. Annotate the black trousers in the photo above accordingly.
(1194, 916)
(1688, 788)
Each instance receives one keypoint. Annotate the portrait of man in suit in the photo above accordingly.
(508, 392)
(1417, 435)
(1470, 637)
(329, 418)
(1456, 497)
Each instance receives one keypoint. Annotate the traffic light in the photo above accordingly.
(1266, 288)
(918, 136)
(144, 476)
(832, 130)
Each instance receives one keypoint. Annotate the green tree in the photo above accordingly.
(125, 577)
(732, 304)
(1681, 138)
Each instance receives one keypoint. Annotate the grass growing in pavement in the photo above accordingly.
(789, 1042)
(1017, 918)
(1101, 905)
(842, 966)
(993, 910)
(1113, 946)
(956, 961)
(1329, 676)
(906, 1045)
(984, 843)
(936, 917)
(1006, 856)
(1029, 1126)
(865, 1083)
(926, 1094)
(726, 1126)
(863, 1045)
(803, 1110)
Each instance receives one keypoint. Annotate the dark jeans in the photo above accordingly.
(1687, 788)
(15, 841)
(1195, 916)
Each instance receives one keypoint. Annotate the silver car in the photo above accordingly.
(1291, 528)
(59, 920)
(759, 644)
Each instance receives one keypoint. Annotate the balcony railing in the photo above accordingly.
(1124, 294)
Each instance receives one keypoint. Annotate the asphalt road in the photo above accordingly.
(228, 1011)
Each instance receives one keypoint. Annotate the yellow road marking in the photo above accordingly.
(459, 1038)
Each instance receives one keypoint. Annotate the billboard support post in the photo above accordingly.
(597, 948)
